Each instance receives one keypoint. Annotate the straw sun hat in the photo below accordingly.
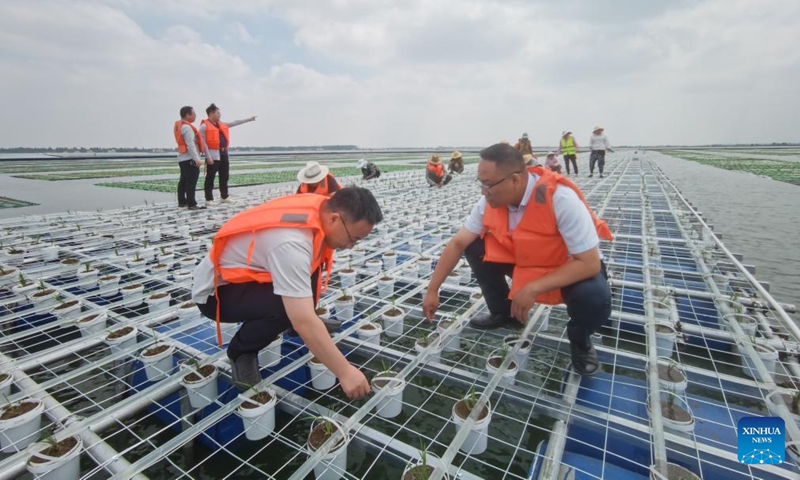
(313, 172)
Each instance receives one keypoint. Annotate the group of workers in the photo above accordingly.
(269, 265)
(213, 140)
(568, 147)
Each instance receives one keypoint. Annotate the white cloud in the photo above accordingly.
(407, 73)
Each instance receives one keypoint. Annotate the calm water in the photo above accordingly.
(757, 217)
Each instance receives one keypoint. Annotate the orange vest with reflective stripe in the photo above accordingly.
(535, 247)
(293, 211)
(436, 169)
(323, 188)
(182, 148)
(212, 134)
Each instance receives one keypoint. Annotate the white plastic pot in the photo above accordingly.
(188, 313)
(347, 278)
(453, 278)
(182, 277)
(411, 270)
(50, 253)
(67, 310)
(44, 299)
(344, 308)
(393, 324)
(5, 384)
(124, 342)
(389, 259)
(158, 302)
(767, 354)
(203, 391)
(749, 324)
(435, 354)
(662, 310)
(260, 421)
(370, 332)
(668, 384)
(373, 266)
(158, 366)
(271, 354)
(154, 235)
(424, 266)
(321, 377)
(9, 276)
(674, 471)
(675, 426)
(109, 285)
(88, 278)
(477, 440)
(133, 293)
(65, 467)
(509, 376)
(19, 432)
(415, 245)
(385, 287)
(323, 311)
(391, 405)
(136, 264)
(466, 274)
(453, 342)
(15, 259)
(524, 350)
(334, 464)
(665, 339)
(96, 324)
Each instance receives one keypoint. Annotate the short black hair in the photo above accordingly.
(506, 157)
(356, 204)
(186, 111)
(211, 109)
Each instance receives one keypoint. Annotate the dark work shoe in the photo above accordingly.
(489, 321)
(182, 206)
(601, 175)
(195, 207)
(244, 371)
(584, 362)
(591, 175)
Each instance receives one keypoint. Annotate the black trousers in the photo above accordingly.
(258, 307)
(187, 183)
(223, 166)
(588, 301)
(573, 158)
(599, 157)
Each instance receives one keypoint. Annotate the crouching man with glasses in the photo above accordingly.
(265, 271)
(534, 226)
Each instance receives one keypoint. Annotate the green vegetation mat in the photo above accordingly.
(248, 179)
(781, 171)
(6, 202)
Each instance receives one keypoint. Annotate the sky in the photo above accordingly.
(380, 73)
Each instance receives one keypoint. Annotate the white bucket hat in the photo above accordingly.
(598, 128)
(312, 173)
(362, 163)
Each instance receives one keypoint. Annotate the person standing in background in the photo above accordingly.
(188, 140)
(215, 136)
(569, 148)
(598, 145)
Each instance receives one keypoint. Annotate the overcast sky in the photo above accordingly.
(380, 73)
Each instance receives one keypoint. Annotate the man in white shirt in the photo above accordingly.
(286, 253)
(578, 275)
(598, 145)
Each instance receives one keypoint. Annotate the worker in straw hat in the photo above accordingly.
(316, 178)
(435, 174)
(456, 163)
(598, 145)
(368, 170)
(524, 146)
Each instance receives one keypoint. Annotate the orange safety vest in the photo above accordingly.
(436, 169)
(212, 134)
(323, 188)
(182, 148)
(535, 247)
(293, 211)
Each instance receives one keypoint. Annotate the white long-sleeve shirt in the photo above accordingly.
(191, 147)
(214, 154)
(599, 142)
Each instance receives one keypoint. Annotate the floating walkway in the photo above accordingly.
(101, 344)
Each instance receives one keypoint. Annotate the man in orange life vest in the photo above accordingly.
(534, 226)
(188, 140)
(316, 178)
(216, 139)
(265, 269)
(435, 174)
